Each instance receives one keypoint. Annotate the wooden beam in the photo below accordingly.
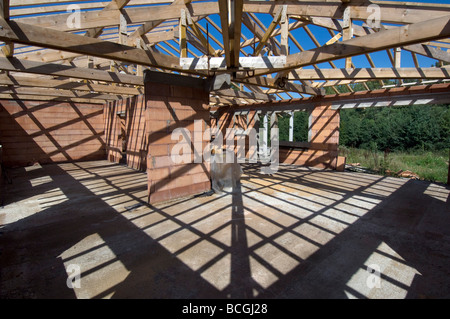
(347, 32)
(428, 51)
(269, 30)
(142, 30)
(23, 97)
(33, 35)
(426, 95)
(287, 86)
(415, 33)
(333, 83)
(372, 73)
(183, 40)
(14, 64)
(107, 18)
(58, 93)
(213, 100)
(245, 63)
(334, 39)
(225, 23)
(397, 57)
(394, 12)
(8, 47)
(284, 27)
(235, 40)
(243, 94)
(200, 35)
(24, 81)
(113, 5)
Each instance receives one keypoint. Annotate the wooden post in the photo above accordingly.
(183, 42)
(291, 127)
(8, 48)
(347, 33)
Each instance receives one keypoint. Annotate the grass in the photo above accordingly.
(430, 166)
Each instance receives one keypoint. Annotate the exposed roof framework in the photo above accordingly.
(96, 51)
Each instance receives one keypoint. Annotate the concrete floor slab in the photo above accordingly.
(301, 233)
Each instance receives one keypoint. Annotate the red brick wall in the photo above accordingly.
(112, 130)
(46, 132)
(136, 139)
(170, 107)
(240, 122)
(324, 141)
(324, 137)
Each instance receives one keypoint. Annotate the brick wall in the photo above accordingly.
(322, 150)
(170, 107)
(46, 132)
(323, 138)
(239, 122)
(133, 110)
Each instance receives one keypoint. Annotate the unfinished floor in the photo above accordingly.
(301, 233)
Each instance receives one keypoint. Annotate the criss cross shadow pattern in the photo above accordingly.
(300, 233)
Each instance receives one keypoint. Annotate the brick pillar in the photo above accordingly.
(324, 133)
(173, 102)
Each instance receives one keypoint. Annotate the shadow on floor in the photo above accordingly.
(298, 234)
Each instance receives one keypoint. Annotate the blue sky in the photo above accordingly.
(381, 59)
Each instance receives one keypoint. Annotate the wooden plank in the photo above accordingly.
(58, 93)
(269, 31)
(245, 63)
(429, 94)
(107, 18)
(235, 40)
(14, 64)
(142, 30)
(8, 47)
(399, 13)
(33, 35)
(372, 73)
(393, 13)
(272, 83)
(347, 32)
(225, 23)
(284, 29)
(150, 25)
(428, 51)
(200, 36)
(23, 97)
(243, 94)
(24, 81)
(183, 40)
(415, 33)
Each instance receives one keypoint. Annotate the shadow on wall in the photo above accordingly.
(298, 234)
(132, 136)
(47, 132)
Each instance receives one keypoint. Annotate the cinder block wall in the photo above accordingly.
(170, 107)
(133, 109)
(46, 132)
